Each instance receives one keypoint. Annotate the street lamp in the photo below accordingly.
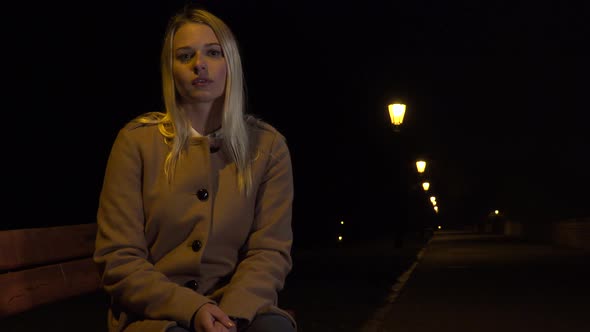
(421, 166)
(396, 114)
(425, 185)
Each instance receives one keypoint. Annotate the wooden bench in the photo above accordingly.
(45, 265)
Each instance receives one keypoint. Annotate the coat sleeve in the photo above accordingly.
(120, 248)
(266, 258)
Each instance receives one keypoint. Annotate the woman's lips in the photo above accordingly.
(201, 81)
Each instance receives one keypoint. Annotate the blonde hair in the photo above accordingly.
(175, 126)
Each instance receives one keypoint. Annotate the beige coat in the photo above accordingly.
(154, 237)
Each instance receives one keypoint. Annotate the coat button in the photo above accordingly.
(197, 245)
(202, 194)
(192, 284)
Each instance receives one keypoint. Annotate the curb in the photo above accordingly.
(374, 324)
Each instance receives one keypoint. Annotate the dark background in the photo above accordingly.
(495, 92)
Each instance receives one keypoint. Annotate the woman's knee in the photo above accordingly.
(270, 323)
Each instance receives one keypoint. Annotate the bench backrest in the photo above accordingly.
(44, 265)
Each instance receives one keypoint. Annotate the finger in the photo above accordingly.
(228, 324)
(204, 321)
(221, 317)
(209, 325)
(219, 327)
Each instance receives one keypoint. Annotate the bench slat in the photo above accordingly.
(26, 289)
(34, 246)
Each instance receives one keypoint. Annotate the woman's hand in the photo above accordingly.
(209, 318)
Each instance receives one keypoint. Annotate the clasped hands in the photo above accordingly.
(210, 318)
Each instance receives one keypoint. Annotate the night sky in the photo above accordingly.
(495, 92)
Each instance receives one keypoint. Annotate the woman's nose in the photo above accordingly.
(200, 65)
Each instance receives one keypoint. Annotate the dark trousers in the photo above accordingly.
(262, 323)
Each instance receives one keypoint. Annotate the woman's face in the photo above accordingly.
(199, 67)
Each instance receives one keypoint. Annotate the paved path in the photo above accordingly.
(467, 282)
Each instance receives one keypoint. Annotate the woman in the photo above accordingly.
(194, 216)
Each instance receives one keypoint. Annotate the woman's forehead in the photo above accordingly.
(191, 33)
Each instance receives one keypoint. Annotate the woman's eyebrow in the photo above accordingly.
(190, 47)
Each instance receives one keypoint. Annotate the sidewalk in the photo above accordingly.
(467, 282)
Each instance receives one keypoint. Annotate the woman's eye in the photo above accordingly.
(215, 53)
(185, 57)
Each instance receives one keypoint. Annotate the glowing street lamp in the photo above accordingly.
(433, 200)
(425, 185)
(396, 114)
(421, 166)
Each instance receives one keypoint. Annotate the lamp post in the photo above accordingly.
(397, 112)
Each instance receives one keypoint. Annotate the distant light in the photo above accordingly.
(341, 222)
(339, 237)
(396, 113)
(496, 212)
(421, 166)
(426, 185)
(436, 209)
(439, 226)
(433, 200)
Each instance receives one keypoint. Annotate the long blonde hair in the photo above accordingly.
(175, 126)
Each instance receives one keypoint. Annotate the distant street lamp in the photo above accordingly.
(396, 113)
(425, 185)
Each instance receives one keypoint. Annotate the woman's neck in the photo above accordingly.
(204, 118)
